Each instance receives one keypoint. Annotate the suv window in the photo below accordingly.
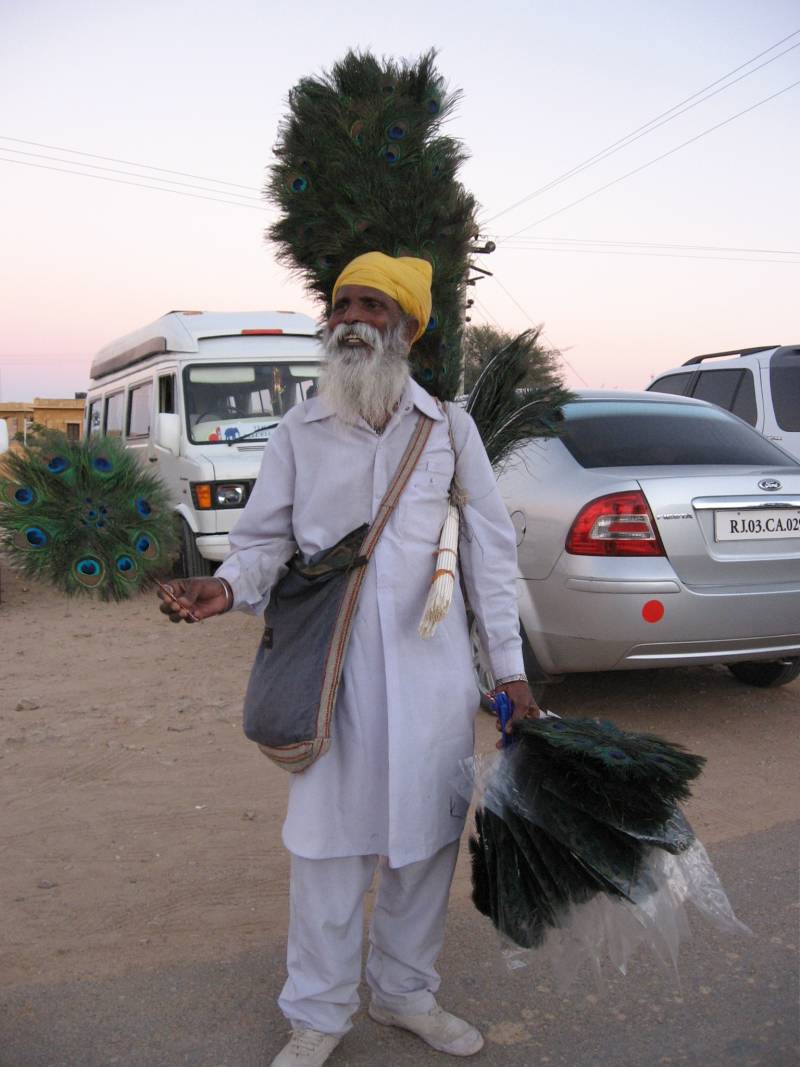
(732, 389)
(672, 383)
(612, 433)
(784, 381)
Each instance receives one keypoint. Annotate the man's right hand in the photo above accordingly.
(193, 599)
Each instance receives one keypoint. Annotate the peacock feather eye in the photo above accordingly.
(297, 183)
(361, 225)
(31, 537)
(126, 567)
(433, 323)
(24, 496)
(102, 464)
(57, 464)
(326, 262)
(142, 506)
(433, 104)
(88, 571)
(389, 87)
(304, 164)
(427, 375)
(396, 131)
(357, 131)
(618, 755)
(146, 546)
(391, 153)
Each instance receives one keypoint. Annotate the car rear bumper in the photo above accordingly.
(604, 624)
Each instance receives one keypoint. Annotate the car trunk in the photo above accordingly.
(721, 529)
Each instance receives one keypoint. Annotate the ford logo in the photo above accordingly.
(769, 484)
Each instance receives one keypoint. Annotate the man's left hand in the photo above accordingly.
(523, 706)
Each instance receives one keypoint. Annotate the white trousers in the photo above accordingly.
(326, 922)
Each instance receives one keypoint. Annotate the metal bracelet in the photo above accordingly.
(228, 593)
(511, 678)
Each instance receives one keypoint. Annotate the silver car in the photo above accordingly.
(656, 531)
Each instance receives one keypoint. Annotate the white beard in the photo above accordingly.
(367, 383)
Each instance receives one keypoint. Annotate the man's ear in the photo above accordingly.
(412, 325)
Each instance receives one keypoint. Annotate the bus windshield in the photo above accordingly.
(228, 400)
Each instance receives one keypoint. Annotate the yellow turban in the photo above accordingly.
(404, 279)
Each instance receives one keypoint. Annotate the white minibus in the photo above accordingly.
(196, 394)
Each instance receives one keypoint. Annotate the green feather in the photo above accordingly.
(85, 517)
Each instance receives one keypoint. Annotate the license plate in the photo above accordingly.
(766, 524)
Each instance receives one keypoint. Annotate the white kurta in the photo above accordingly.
(405, 710)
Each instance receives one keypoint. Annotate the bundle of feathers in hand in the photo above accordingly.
(576, 808)
(84, 516)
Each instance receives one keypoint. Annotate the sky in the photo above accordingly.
(698, 251)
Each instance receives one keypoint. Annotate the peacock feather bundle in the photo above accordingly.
(506, 412)
(84, 516)
(362, 166)
(575, 808)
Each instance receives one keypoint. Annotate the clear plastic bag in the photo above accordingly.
(581, 851)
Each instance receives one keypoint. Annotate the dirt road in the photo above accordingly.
(140, 827)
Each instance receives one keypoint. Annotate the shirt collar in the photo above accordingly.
(317, 409)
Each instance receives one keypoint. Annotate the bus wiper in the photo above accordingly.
(243, 437)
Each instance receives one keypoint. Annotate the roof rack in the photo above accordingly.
(734, 352)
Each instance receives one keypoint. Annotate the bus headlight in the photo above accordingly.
(230, 495)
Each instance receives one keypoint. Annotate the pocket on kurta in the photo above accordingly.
(423, 506)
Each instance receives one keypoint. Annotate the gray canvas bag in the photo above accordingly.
(291, 695)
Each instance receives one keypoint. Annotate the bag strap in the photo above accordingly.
(411, 457)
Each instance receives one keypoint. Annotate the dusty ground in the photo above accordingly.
(140, 828)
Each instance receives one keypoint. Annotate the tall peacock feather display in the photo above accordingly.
(84, 516)
(362, 166)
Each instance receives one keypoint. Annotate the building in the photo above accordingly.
(64, 415)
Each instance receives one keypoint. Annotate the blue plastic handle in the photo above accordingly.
(503, 710)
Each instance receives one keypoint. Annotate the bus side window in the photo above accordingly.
(166, 394)
(95, 417)
(115, 410)
(140, 403)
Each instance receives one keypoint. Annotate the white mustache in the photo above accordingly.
(361, 330)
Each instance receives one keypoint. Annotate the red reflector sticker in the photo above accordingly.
(653, 611)
(256, 333)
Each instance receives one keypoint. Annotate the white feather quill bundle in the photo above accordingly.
(440, 594)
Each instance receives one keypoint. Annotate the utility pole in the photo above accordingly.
(485, 249)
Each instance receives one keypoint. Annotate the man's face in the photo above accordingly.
(360, 303)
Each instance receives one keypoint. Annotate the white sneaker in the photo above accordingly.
(440, 1029)
(307, 1048)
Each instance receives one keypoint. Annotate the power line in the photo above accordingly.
(486, 313)
(658, 255)
(127, 162)
(116, 170)
(121, 181)
(657, 159)
(533, 241)
(654, 123)
(538, 326)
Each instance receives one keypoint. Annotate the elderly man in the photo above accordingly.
(382, 797)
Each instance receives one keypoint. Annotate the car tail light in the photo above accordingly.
(620, 524)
